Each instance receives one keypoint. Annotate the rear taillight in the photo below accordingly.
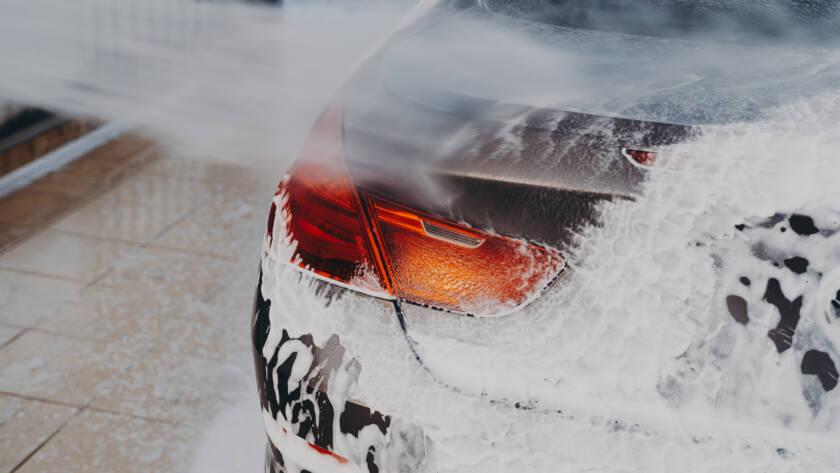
(441, 264)
(325, 215)
(381, 247)
(647, 159)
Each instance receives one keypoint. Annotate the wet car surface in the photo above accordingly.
(462, 274)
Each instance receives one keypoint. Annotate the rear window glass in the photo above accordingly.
(742, 21)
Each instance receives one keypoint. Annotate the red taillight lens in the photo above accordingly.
(324, 213)
(640, 157)
(387, 249)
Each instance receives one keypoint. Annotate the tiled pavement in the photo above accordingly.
(125, 287)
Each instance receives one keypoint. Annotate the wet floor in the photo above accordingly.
(126, 281)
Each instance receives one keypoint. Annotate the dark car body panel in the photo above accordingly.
(544, 190)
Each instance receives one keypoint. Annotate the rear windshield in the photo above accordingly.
(741, 21)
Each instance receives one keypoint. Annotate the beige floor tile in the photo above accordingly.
(212, 332)
(168, 386)
(243, 272)
(29, 207)
(24, 424)
(59, 368)
(170, 278)
(64, 255)
(252, 185)
(226, 226)
(258, 189)
(206, 170)
(108, 443)
(238, 294)
(27, 299)
(7, 332)
(175, 194)
(127, 320)
(107, 217)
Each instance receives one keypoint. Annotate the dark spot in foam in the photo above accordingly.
(324, 428)
(803, 225)
(370, 460)
(260, 328)
(820, 364)
(356, 417)
(762, 252)
(271, 214)
(782, 335)
(772, 221)
(783, 229)
(797, 264)
(740, 227)
(745, 281)
(277, 455)
(737, 309)
(835, 305)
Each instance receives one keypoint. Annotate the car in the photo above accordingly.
(498, 249)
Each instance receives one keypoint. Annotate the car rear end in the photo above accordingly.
(417, 258)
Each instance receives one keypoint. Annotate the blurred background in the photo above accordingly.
(140, 144)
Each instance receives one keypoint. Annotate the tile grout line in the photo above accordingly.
(187, 213)
(96, 237)
(45, 441)
(42, 275)
(206, 254)
(98, 278)
(14, 338)
(141, 244)
(135, 416)
(40, 399)
(71, 336)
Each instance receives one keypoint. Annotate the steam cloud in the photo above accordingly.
(230, 80)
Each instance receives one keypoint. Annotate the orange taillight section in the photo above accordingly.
(450, 266)
(387, 249)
